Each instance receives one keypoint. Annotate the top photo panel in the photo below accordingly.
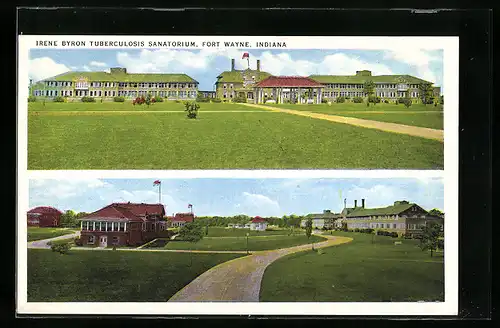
(118, 103)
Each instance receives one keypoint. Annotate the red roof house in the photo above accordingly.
(122, 224)
(44, 216)
(289, 82)
(258, 223)
(180, 219)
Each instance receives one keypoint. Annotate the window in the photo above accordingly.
(91, 240)
(116, 240)
(394, 226)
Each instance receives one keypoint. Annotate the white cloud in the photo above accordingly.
(418, 59)
(257, 204)
(44, 67)
(98, 64)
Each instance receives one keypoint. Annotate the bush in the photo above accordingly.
(440, 244)
(216, 100)
(340, 100)
(192, 108)
(31, 99)
(158, 99)
(177, 101)
(373, 99)
(200, 98)
(240, 99)
(78, 241)
(61, 248)
(88, 99)
(59, 99)
(119, 99)
(356, 230)
(139, 101)
(324, 100)
(357, 100)
(367, 230)
(386, 101)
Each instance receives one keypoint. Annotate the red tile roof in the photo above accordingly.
(183, 217)
(288, 81)
(127, 211)
(44, 210)
(258, 219)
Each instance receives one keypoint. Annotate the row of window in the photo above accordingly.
(112, 93)
(85, 84)
(377, 86)
(385, 226)
(115, 240)
(104, 226)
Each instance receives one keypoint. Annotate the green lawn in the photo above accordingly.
(353, 107)
(357, 272)
(417, 115)
(36, 233)
(239, 243)
(251, 140)
(230, 232)
(107, 276)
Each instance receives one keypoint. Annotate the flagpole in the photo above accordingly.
(248, 61)
(159, 193)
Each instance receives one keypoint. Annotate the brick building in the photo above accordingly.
(44, 216)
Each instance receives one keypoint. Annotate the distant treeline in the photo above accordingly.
(223, 221)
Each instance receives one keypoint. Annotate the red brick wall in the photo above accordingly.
(122, 241)
(45, 220)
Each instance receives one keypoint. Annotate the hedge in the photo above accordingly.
(357, 100)
(88, 99)
(340, 100)
(59, 99)
(216, 100)
(119, 99)
(240, 99)
(31, 99)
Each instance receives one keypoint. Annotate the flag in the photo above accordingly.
(190, 206)
(245, 55)
(157, 182)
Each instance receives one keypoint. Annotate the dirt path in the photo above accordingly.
(239, 280)
(384, 126)
(43, 244)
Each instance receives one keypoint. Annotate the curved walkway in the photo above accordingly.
(239, 280)
(384, 126)
(44, 243)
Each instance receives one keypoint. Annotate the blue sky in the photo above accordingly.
(227, 196)
(204, 65)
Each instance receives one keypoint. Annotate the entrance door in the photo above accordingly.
(103, 241)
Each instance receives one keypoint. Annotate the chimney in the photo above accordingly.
(355, 203)
(363, 203)
(232, 64)
(258, 65)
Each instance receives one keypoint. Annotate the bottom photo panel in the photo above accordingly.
(235, 240)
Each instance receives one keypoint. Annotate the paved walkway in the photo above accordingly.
(384, 126)
(94, 112)
(44, 244)
(239, 280)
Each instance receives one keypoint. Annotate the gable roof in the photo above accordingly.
(360, 79)
(122, 77)
(126, 211)
(327, 215)
(288, 81)
(395, 209)
(236, 76)
(183, 217)
(258, 219)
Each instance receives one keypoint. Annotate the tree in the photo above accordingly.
(206, 229)
(426, 93)
(430, 237)
(436, 212)
(309, 224)
(191, 108)
(69, 219)
(442, 100)
(192, 233)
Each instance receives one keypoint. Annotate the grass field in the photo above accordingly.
(241, 140)
(417, 115)
(91, 276)
(358, 271)
(36, 233)
(225, 232)
(239, 243)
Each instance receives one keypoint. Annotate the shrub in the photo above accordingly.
(88, 99)
(59, 99)
(78, 241)
(373, 99)
(139, 101)
(62, 248)
(31, 99)
(177, 101)
(119, 99)
(356, 230)
(340, 99)
(216, 100)
(158, 99)
(440, 244)
(357, 100)
(192, 108)
(200, 98)
(240, 99)
(324, 100)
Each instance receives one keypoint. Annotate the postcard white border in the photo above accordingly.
(450, 175)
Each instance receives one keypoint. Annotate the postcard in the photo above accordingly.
(241, 175)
